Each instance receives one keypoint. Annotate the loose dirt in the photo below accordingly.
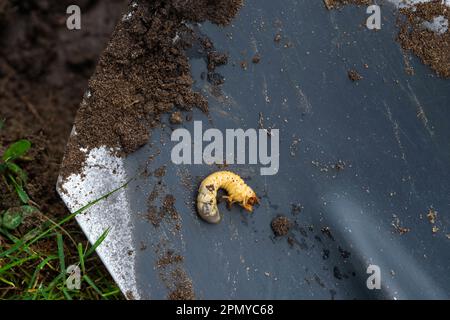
(333, 4)
(143, 73)
(431, 47)
(281, 226)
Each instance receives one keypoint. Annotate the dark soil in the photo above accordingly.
(431, 47)
(142, 74)
(44, 70)
(281, 226)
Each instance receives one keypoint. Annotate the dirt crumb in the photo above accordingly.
(169, 258)
(432, 215)
(277, 38)
(354, 75)
(216, 59)
(398, 227)
(182, 287)
(281, 226)
(327, 231)
(176, 118)
(160, 172)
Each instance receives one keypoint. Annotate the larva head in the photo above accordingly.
(250, 201)
(208, 212)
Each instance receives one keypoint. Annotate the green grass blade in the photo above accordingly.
(18, 171)
(81, 256)
(111, 293)
(92, 284)
(73, 215)
(38, 269)
(9, 283)
(67, 294)
(23, 196)
(60, 244)
(97, 243)
(16, 263)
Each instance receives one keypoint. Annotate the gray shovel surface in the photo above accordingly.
(361, 165)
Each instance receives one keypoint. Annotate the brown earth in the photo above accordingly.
(333, 4)
(143, 73)
(431, 47)
(281, 226)
(44, 69)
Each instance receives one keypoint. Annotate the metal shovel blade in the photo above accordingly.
(357, 161)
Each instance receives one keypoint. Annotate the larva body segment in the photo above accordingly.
(237, 191)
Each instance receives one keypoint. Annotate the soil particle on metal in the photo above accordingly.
(167, 212)
(142, 74)
(344, 253)
(172, 273)
(216, 59)
(160, 172)
(296, 208)
(397, 226)
(432, 215)
(256, 58)
(277, 38)
(169, 258)
(354, 75)
(176, 118)
(182, 288)
(327, 231)
(281, 225)
(333, 4)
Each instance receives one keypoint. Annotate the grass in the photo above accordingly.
(43, 262)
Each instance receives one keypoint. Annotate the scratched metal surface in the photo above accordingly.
(390, 129)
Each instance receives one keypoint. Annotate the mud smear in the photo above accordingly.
(143, 73)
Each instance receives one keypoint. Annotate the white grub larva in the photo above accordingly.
(238, 192)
